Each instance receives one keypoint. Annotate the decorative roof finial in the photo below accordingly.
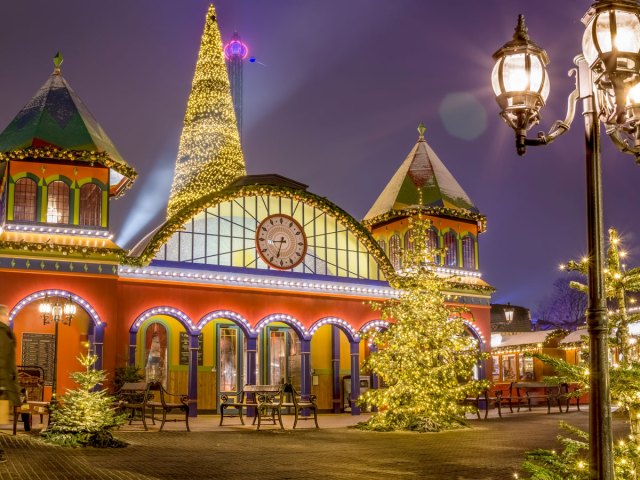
(57, 62)
(421, 130)
(521, 30)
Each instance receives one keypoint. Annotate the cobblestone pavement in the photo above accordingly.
(490, 449)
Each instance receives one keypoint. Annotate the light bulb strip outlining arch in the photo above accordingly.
(374, 325)
(236, 318)
(351, 332)
(179, 315)
(294, 323)
(86, 306)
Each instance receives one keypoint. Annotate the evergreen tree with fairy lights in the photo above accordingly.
(85, 416)
(624, 379)
(425, 358)
(209, 154)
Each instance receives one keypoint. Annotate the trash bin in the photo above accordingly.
(365, 384)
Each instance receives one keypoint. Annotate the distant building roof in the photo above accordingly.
(421, 181)
(525, 341)
(55, 124)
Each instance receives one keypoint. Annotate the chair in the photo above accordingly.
(298, 404)
(158, 392)
(133, 398)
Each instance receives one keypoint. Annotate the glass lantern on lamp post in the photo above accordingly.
(607, 77)
(56, 313)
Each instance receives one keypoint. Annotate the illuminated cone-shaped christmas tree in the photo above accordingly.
(425, 358)
(209, 156)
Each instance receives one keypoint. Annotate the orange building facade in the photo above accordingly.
(251, 279)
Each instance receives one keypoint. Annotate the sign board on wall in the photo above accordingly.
(184, 349)
(37, 349)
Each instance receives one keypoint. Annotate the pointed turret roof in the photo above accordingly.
(421, 181)
(56, 124)
(209, 156)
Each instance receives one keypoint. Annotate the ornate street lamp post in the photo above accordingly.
(56, 313)
(607, 76)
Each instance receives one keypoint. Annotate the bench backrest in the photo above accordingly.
(134, 387)
(262, 388)
(31, 382)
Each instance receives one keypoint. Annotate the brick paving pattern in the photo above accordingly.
(490, 449)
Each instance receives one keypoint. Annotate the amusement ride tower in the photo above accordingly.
(235, 52)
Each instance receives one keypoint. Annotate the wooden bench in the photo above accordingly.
(483, 401)
(156, 398)
(298, 404)
(31, 383)
(132, 397)
(533, 393)
(266, 399)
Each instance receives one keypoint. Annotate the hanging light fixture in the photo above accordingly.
(57, 312)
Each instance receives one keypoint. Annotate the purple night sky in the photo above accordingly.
(333, 101)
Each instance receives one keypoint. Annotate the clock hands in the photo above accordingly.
(281, 241)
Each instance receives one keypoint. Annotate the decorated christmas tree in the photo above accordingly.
(209, 155)
(425, 358)
(85, 416)
(624, 378)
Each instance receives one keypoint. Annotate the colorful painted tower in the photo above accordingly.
(424, 186)
(235, 53)
(58, 170)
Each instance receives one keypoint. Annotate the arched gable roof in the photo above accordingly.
(145, 251)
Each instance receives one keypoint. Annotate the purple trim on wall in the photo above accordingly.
(193, 375)
(252, 351)
(335, 368)
(132, 348)
(305, 367)
(355, 377)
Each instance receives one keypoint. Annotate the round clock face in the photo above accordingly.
(281, 242)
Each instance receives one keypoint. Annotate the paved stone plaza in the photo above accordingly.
(491, 449)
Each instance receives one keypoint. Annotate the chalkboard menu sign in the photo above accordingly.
(37, 349)
(184, 349)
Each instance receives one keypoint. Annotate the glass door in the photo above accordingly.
(283, 355)
(229, 360)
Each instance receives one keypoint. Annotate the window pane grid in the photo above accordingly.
(58, 202)
(24, 200)
(225, 235)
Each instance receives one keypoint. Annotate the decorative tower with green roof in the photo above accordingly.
(58, 170)
(209, 155)
(424, 186)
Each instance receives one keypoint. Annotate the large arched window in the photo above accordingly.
(408, 241)
(451, 244)
(468, 252)
(25, 200)
(395, 251)
(58, 202)
(383, 245)
(90, 204)
(432, 242)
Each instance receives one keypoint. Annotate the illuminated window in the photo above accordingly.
(90, 204)
(24, 200)
(432, 242)
(408, 243)
(451, 244)
(58, 202)
(228, 361)
(395, 251)
(225, 234)
(468, 252)
(383, 245)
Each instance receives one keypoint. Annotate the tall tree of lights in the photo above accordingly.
(209, 155)
(425, 358)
